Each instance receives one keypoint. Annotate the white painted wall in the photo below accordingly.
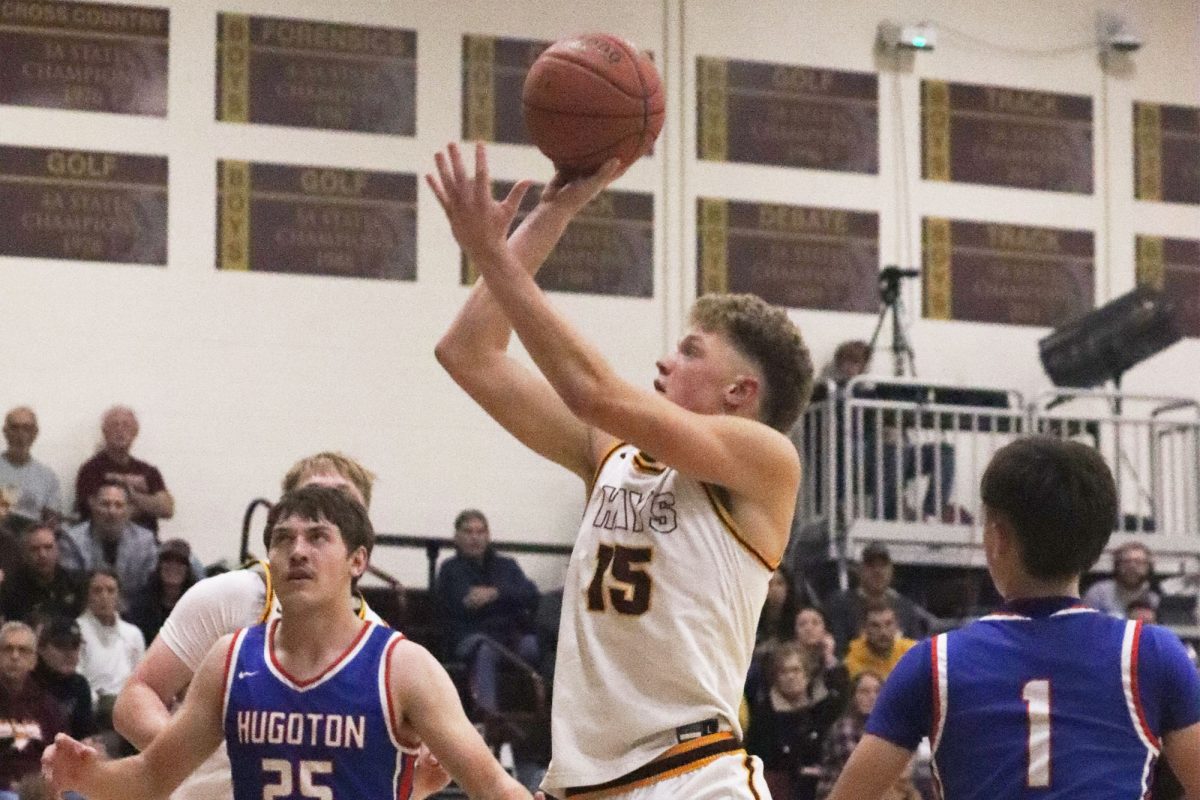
(234, 376)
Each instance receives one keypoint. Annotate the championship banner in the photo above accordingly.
(1173, 266)
(84, 56)
(794, 256)
(83, 205)
(1166, 153)
(346, 223)
(1010, 274)
(1006, 137)
(756, 112)
(608, 248)
(493, 75)
(307, 74)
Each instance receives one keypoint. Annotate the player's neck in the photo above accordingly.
(316, 632)
(1024, 587)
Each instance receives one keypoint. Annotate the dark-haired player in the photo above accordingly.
(1045, 698)
(318, 703)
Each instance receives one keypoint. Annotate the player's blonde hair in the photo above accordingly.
(765, 335)
(330, 461)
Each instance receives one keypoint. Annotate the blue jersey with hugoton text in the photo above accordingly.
(1043, 699)
(330, 737)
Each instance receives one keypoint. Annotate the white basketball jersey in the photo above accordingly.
(660, 605)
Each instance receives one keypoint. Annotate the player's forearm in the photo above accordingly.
(122, 779)
(139, 713)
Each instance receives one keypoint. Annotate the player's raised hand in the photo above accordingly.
(573, 192)
(479, 222)
(67, 763)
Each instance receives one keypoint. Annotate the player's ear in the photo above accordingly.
(358, 561)
(741, 393)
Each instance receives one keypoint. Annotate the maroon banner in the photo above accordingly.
(607, 249)
(800, 257)
(84, 56)
(83, 205)
(1166, 153)
(316, 221)
(1173, 266)
(309, 74)
(782, 115)
(1011, 274)
(1006, 137)
(493, 76)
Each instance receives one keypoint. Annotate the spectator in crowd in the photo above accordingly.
(880, 645)
(9, 549)
(845, 733)
(485, 597)
(779, 611)
(111, 539)
(112, 647)
(29, 717)
(1133, 579)
(41, 584)
(850, 360)
(172, 577)
(39, 498)
(789, 724)
(147, 490)
(59, 643)
(812, 633)
(844, 609)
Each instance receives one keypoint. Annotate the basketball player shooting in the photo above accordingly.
(318, 703)
(691, 489)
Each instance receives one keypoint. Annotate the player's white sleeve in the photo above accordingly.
(210, 609)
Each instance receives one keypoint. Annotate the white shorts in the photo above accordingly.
(735, 776)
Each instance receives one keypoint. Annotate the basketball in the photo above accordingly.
(591, 98)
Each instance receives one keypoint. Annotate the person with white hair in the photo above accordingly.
(147, 489)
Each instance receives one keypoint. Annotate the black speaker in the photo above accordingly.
(1102, 344)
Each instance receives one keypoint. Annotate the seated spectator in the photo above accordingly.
(110, 539)
(41, 584)
(39, 498)
(485, 596)
(29, 717)
(778, 616)
(844, 609)
(1133, 579)
(9, 549)
(880, 645)
(59, 644)
(814, 637)
(112, 647)
(172, 577)
(846, 732)
(788, 726)
(147, 490)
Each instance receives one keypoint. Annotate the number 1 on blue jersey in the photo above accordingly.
(1036, 695)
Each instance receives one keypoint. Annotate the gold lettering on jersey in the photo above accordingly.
(621, 509)
(278, 727)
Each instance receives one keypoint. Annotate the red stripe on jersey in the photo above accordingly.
(1133, 686)
(229, 658)
(336, 662)
(392, 720)
(404, 785)
(937, 700)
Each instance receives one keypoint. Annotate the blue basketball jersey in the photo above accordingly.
(331, 737)
(1044, 699)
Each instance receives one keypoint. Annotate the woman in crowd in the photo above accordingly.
(847, 730)
(172, 577)
(789, 724)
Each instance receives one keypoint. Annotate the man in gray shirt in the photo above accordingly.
(111, 539)
(1133, 572)
(39, 498)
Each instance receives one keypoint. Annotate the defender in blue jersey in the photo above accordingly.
(1045, 698)
(316, 704)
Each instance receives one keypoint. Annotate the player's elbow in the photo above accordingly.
(453, 356)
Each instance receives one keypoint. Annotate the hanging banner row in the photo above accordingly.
(304, 73)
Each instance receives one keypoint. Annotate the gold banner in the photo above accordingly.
(479, 52)
(936, 117)
(714, 245)
(235, 215)
(235, 67)
(1147, 137)
(1151, 264)
(937, 268)
(714, 109)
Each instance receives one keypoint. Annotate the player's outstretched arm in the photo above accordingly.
(873, 767)
(474, 349)
(1182, 751)
(744, 456)
(143, 709)
(190, 737)
(430, 707)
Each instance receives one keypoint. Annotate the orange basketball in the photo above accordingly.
(590, 98)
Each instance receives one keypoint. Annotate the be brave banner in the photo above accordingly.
(313, 220)
(1008, 274)
(1002, 136)
(84, 56)
(83, 205)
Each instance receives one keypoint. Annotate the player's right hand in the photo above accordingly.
(66, 763)
(574, 192)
